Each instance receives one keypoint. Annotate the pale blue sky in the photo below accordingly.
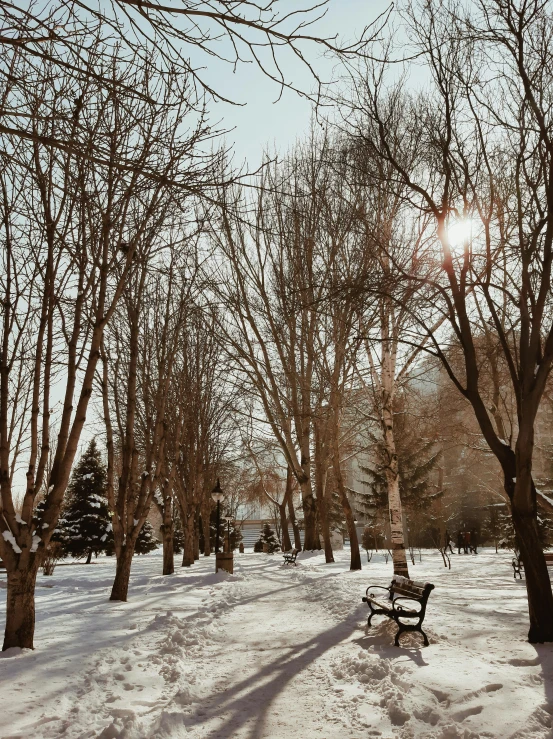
(263, 123)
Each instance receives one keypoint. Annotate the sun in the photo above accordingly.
(459, 231)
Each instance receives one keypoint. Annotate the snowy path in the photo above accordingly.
(276, 652)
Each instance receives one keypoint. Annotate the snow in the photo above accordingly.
(278, 653)
(35, 543)
(8, 536)
(20, 520)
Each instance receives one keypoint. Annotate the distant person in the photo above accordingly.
(474, 541)
(448, 541)
(467, 542)
(460, 541)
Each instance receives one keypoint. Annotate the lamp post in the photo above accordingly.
(217, 495)
(228, 518)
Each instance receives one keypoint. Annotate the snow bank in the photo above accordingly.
(276, 652)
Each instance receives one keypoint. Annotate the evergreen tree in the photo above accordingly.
(60, 534)
(178, 534)
(267, 536)
(87, 522)
(235, 533)
(147, 540)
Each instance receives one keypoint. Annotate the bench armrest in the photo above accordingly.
(374, 587)
(399, 608)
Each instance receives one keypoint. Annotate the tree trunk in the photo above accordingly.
(89, 558)
(207, 537)
(295, 527)
(325, 529)
(538, 584)
(311, 539)
(188, 529)
(285, 536)
(20, 608)
(321, 489)
(392, 484)
(122, 573)
(196, 539)
(167, 534)
(355, 558)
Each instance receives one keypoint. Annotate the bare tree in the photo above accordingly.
(475, 154)
(71, 227)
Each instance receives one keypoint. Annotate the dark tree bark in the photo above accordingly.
(20, 607)
(120, 588)
(189, 531)
(167, 530)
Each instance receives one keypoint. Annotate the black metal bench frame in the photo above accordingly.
(401, 589)
(518, 565)
(290, 557)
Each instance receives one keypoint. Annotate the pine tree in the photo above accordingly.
(147, 540)
(87, 522)
(178, 534)
(60, 534)
(267, 536)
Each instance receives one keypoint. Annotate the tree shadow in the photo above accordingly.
(250, 699)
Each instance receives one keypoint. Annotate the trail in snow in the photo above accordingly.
(277, 652)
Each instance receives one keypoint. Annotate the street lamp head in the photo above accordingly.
(217, 494)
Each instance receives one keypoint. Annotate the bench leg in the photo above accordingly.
(371, 614)
(401, 630)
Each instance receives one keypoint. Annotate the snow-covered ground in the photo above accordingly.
(277, 652)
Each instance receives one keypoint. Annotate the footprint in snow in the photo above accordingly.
(520, 662)
(462, 715)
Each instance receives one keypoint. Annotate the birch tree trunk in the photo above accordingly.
(295, 527)
(391, 468)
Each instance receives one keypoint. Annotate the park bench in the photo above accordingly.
(518, 565)
(290, 557)
(406, 599)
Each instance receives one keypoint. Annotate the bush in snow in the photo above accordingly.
(50, 557)
(267, 536)
(87, 521)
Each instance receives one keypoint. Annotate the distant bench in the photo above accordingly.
(518, 565)
(290, 557)
(413, 596)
